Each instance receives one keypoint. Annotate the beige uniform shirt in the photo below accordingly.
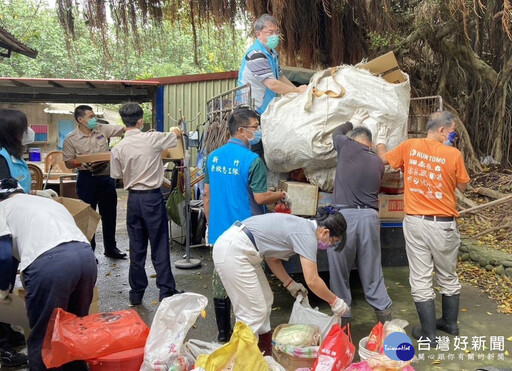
(78, 143)
(137, 159)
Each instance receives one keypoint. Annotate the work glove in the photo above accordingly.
(287, 200)
(296, 288)
(339, 307)
(359, 116)
(48, 193)
(382, 134)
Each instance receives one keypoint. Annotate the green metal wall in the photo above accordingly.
(191, 98)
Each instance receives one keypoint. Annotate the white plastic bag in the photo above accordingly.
(193, 348)
(297, 128)
(173, 319)
(303, 314)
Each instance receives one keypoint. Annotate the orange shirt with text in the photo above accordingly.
(431, 173)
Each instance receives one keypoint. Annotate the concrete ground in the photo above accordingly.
(478, 319)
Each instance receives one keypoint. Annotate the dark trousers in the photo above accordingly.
(100, 191)
(63, 277)
(5, 328)
(146, 219)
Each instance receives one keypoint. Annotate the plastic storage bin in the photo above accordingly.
(127, 360)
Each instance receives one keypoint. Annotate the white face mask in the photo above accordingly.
(28, 136)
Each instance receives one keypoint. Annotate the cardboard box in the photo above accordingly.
(392, 183)
(391, 206)
(385, 66)
(304, 197)
(175, 153)
(86, 218)
(93, 157)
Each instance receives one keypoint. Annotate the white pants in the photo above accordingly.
(431, 245)
(238, 264)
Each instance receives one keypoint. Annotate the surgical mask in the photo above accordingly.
(257, 137)
(452, 137)
(29, 136)
(322, 245)
(272, 41)
(92, 123)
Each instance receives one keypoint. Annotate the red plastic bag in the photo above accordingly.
(69, 338)
(337, 351)
(376, 338)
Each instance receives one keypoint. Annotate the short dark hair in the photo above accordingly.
(334, 221)
(13, 124)
(130, 114)
(240, 117)
(361, 131)
(10, 184)
(80, 111)
(438, 119)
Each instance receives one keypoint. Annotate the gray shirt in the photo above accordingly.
(282, 235)
(358, 172)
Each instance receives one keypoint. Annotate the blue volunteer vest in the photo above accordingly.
(18, 169)
(231, 198)
(273, 60)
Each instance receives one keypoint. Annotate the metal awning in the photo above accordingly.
(24, 90)
(11, 44)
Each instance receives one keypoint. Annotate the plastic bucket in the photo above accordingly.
(34, 154)
(127, 360)
(363, 352)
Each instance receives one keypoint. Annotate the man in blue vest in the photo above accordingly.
(235, 188)
(260, 68)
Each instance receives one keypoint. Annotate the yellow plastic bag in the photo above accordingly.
(240, 354)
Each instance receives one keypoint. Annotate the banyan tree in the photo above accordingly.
(459, 49)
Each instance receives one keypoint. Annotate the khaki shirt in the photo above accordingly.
(78, 143)
(137, 159)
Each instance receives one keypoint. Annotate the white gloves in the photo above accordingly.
(287, 200)
(295, 288)
(48, 193)
(382, 134)
(339, 307)
(359, 116)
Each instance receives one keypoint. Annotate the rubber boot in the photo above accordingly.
(448, 322)
(223, 318)
(265, 343)
(383, 315)
(427, 313)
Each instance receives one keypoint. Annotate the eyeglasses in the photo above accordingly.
(255, 127)
(269, 32)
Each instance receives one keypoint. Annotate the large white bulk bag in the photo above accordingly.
(297, 128)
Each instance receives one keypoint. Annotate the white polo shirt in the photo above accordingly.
(36, 225)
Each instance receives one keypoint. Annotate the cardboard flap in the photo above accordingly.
(385, 66)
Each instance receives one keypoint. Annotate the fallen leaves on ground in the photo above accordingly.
(497, 287)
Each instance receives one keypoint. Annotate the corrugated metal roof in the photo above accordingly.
(18, 89)
(10, 43)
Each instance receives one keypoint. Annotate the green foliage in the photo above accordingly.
(158, 50)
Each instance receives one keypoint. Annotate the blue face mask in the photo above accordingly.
(257, 137)
(272, 41)
(92, 123)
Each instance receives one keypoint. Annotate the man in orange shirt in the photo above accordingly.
(432, 172)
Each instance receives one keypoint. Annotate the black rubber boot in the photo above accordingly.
(265, 343)
(223, 317)
(427, 313)
(383, 315)
(448, 322)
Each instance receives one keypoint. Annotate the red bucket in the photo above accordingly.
(127, 360)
